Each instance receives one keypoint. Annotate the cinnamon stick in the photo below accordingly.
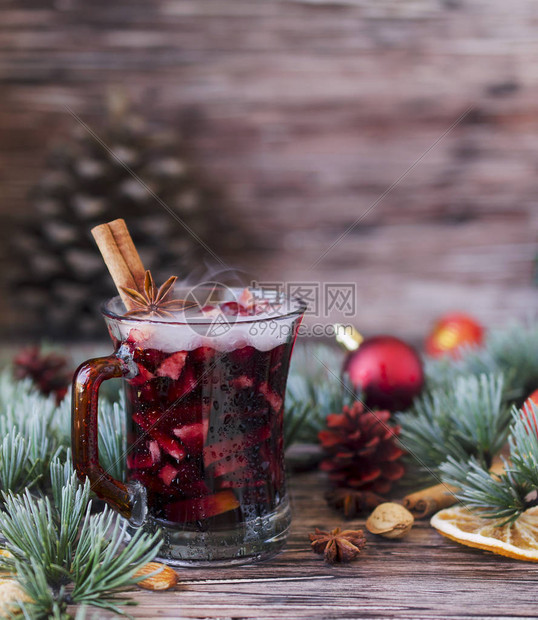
(128, 251)
(430, 500)
(120, 256)
(427, 501)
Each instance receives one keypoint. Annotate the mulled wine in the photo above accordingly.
(205, 430)
(205, 396)
(205, 371)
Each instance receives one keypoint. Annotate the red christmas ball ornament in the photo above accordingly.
(452, 331)
(387, 370)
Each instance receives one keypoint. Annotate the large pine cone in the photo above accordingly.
(362, 449)
(60, 279)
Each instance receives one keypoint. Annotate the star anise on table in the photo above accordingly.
(337, 545)
(154, 301)
(351, 502)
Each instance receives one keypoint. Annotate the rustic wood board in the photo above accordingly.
(423, 576)
(307, 111)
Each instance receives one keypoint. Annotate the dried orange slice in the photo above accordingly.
(518, 540)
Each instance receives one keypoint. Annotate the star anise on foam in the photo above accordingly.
(154, 301)
(338, 546)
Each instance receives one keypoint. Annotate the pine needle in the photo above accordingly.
(64, 555)
(313, 392)
(113, 437)
(505, 497)
(469, 420)
(510, 351)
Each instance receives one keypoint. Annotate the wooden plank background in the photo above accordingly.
(422, 576)
(307, 111)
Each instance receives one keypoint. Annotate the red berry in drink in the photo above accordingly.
(139, 461)
(143, 376)
(189, 482)
(243, 382)
(151, 422)
(150, 358)
(193, 436)
(202, 355)
(155, 451)
(240, 482)
(169, 445)
(172, 366)
(168, 473)
(244, 355)
(185, 384)
(274, 399)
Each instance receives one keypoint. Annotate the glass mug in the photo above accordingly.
(204, 400)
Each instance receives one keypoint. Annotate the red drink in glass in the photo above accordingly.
(205, 428)
(205, 396)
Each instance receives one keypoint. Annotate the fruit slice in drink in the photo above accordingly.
(198, 509)
(193, 436)
(151, 422)
(172, 366)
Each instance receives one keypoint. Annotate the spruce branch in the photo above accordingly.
(61, 475)
(510, 351)
(16, 470)
(28, 427)
(12, 391)
(504, 497)
(64, 555)
(523, 442)
(469, 420)
(113, 437)
(46, 604)
(313, 392)
(497, 497)
(61, 426)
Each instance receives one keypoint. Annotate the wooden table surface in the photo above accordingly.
(422, 576)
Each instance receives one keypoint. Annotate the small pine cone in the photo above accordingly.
(353, 502)
(362, 452)
(49, 372)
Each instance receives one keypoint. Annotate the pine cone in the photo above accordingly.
(49, 372)
(362, 451)
(59, 278)
(352, 502)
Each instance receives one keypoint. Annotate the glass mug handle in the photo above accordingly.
(127, 499)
